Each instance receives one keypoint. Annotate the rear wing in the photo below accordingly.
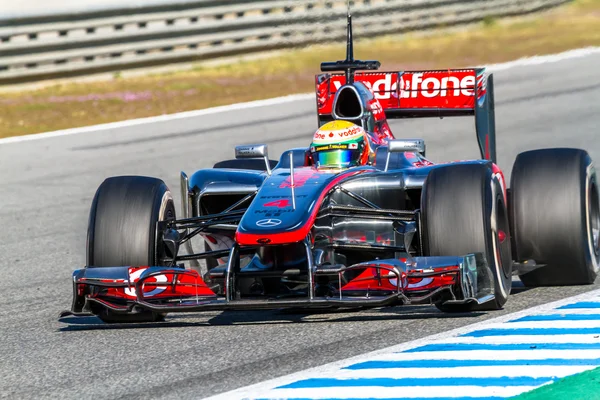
(418, 94)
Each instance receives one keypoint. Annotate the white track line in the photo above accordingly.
(518, 339)
(529, 61)
(546, 325)
(393, 392)
(573, 311)
(490, 355)
(533, 371)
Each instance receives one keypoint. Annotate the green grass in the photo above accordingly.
(76, 104)
(583, 386)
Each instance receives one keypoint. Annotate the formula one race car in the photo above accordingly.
(358, 219)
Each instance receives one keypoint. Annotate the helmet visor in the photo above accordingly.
(337, 158)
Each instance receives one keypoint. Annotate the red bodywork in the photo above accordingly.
(450, 89)
(411, 281)
(302, 176)
(139, 285)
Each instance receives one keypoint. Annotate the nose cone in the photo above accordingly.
(281, 213)
(284, 213)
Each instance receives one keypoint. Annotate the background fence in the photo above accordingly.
(33, 48)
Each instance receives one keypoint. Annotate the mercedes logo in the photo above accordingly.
(268, 222)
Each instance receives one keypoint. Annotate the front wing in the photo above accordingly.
(418, 280)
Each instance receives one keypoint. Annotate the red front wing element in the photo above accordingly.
(142, 283)
(371, 279)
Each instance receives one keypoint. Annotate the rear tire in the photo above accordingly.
(122, 230)
(464, 210)
(556, 216)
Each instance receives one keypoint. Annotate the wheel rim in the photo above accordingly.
(502, 241)
(166, 212)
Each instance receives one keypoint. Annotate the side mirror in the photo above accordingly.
(404, 145)
(254, 151)
(251, 151)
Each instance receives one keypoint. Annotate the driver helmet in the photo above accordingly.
(339, 144)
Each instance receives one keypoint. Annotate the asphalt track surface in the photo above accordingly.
(46, 189)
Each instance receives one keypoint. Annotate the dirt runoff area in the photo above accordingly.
(68, 104)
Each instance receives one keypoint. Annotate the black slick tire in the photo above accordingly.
(555, 216)
(122, 229)
(464, 211)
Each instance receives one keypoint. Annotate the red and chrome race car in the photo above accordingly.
(393, 229)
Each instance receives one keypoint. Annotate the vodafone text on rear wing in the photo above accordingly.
(415, 94)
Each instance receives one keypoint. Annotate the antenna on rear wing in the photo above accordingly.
(349, 65)
(349, 40)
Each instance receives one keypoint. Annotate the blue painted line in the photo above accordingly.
(581, 304)
(558, 317)
(388, 398)
(314, 383)
(508, 346)
(533, 331)
(471, 363)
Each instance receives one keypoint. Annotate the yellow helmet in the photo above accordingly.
(339, 144)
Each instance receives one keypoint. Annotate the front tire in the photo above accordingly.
(122, 230)
(556, 216)
(464, 212)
